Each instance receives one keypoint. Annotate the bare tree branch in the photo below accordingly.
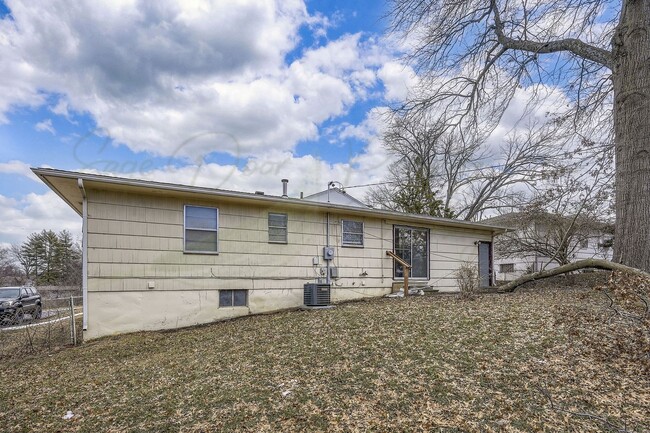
(572, 45)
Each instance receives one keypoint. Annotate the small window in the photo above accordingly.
(584, 243)
(233, 298)
(506, 267)
(278, 228)
(201, 229)
(606, 243)
(352, 233)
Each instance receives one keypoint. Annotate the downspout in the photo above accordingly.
(84, 252)
(493, 277)
(327, 242)
(493, 271)
(327, 235)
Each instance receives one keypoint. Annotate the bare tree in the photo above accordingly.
(552, 237)
(566, 212)
(416, 143)
(22, 259)
(474, 55)
(464, 173)
(9, 272)
(517, 165)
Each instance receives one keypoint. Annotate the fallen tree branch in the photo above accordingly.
(600, 419)
(582, 264)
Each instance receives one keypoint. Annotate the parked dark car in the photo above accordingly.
(16, 301)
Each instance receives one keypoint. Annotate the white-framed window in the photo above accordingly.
(351, 233)
(278, 228)
(201, 229)
(506, 267)
(233, 298)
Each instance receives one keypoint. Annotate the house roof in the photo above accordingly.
(69, 184)
(511, 220)
(337, 196)
(507, 220)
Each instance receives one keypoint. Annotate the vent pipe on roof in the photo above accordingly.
(284, 188)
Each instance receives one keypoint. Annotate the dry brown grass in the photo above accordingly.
(421, 364)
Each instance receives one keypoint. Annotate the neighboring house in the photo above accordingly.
(160, 255)
(335, 196)
(531, 240)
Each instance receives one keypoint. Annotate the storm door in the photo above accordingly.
(485, 264)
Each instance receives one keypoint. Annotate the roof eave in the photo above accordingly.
(44, 173)
(47, 182)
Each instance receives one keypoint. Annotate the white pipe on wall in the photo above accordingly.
(84, 252)
(327, 241)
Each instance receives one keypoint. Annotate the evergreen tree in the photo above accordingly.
(50, 258)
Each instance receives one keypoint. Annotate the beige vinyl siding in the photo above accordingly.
(134, 239)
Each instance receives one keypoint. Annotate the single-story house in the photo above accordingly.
(160, 255)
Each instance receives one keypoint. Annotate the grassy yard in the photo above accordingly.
(423, 364)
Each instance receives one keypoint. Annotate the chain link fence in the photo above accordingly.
(57, 324)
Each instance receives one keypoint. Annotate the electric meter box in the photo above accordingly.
(328, 253)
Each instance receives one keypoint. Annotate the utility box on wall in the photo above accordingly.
(328, 253)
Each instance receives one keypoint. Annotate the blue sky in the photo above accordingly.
(227, 94)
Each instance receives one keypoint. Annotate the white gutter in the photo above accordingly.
(84, 252)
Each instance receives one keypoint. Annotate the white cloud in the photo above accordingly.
(18, 167)
(45, 125)
(33, 213)
(156, 75)
(371, 127)
(19, 77)
(398, 80)
(186, 78)
(306, 174)
(530, 106)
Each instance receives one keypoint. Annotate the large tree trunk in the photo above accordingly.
(631, 78)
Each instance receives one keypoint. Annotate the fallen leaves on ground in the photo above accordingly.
(433, 363)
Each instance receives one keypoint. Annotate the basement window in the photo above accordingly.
(352, 233)
(233, 298)
(201, 228)
(506, 267)
(278, 228)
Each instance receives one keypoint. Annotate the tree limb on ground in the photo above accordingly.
(582, 264)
